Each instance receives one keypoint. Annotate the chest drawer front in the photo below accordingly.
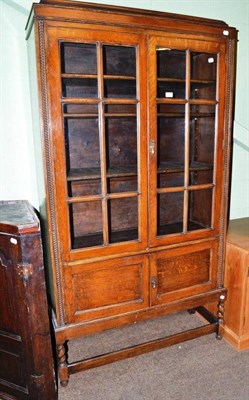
(183, 272)
(102, 289)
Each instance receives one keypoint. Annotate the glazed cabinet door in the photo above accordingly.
(97, 100)
(187, 82)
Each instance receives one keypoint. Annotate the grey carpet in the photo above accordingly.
(203, 368)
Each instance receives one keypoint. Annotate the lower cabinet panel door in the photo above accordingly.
(106, 288)
(183, 272)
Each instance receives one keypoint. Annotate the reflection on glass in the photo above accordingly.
(200, 209)
(119, 60)
(202, 144)
(121, 138)
(86, 224)
(123, 219)
(203, 76)
(169, 213)
(79, 87)
(82, 143)
(78, 58)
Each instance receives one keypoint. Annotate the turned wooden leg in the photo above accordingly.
(220, 315)
(62, 364)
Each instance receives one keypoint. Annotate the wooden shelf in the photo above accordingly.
(94, 173)
(125, 171)
(182, 115)
(183, 81)
(177, 227)
(179, 167)
(96, 239)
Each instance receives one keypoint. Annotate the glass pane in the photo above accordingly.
(171, 139)
(79, 87)
(170, 179)
(80, 109)
(171, 110)
(200, 209)
(171, 72)
(123, 219)
(167, 89)
(119, 71)
(171, 63)
(78, 58)
(120, 89)
(202, 144)
(86, 224)
(121, 141)
(122, 184)
(84, 187)
(203, 76)
(119, 60)
(82, 151)
(170, 213)
(121, 109)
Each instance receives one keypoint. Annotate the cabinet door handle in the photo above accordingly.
(153, 282)
(152, 147)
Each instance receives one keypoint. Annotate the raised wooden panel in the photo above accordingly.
(107, 288)
(183, 272)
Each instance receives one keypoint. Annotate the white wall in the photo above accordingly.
(17, 165)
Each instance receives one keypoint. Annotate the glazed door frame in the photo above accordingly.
(54, 36)
(186, 102)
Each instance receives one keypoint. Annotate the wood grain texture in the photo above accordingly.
(237, 283)
(26, 361)
(136, 126)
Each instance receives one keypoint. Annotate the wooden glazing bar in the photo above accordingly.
(118, 115)
(102, 144)
(216, 139)
(119, 101)
(68, 115)
(122, 195)
(171, 189)
(170, 101)
(79, 76)
(187, 142)
(199, 187)
(80, 199)
(203, 102)
(142, 348)
(77, 100)
(139, 97)
(120, 77)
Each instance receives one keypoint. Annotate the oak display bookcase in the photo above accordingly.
(136, 116)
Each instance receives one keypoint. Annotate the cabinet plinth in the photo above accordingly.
(137, 110)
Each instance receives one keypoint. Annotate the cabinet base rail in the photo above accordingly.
(214, 326)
